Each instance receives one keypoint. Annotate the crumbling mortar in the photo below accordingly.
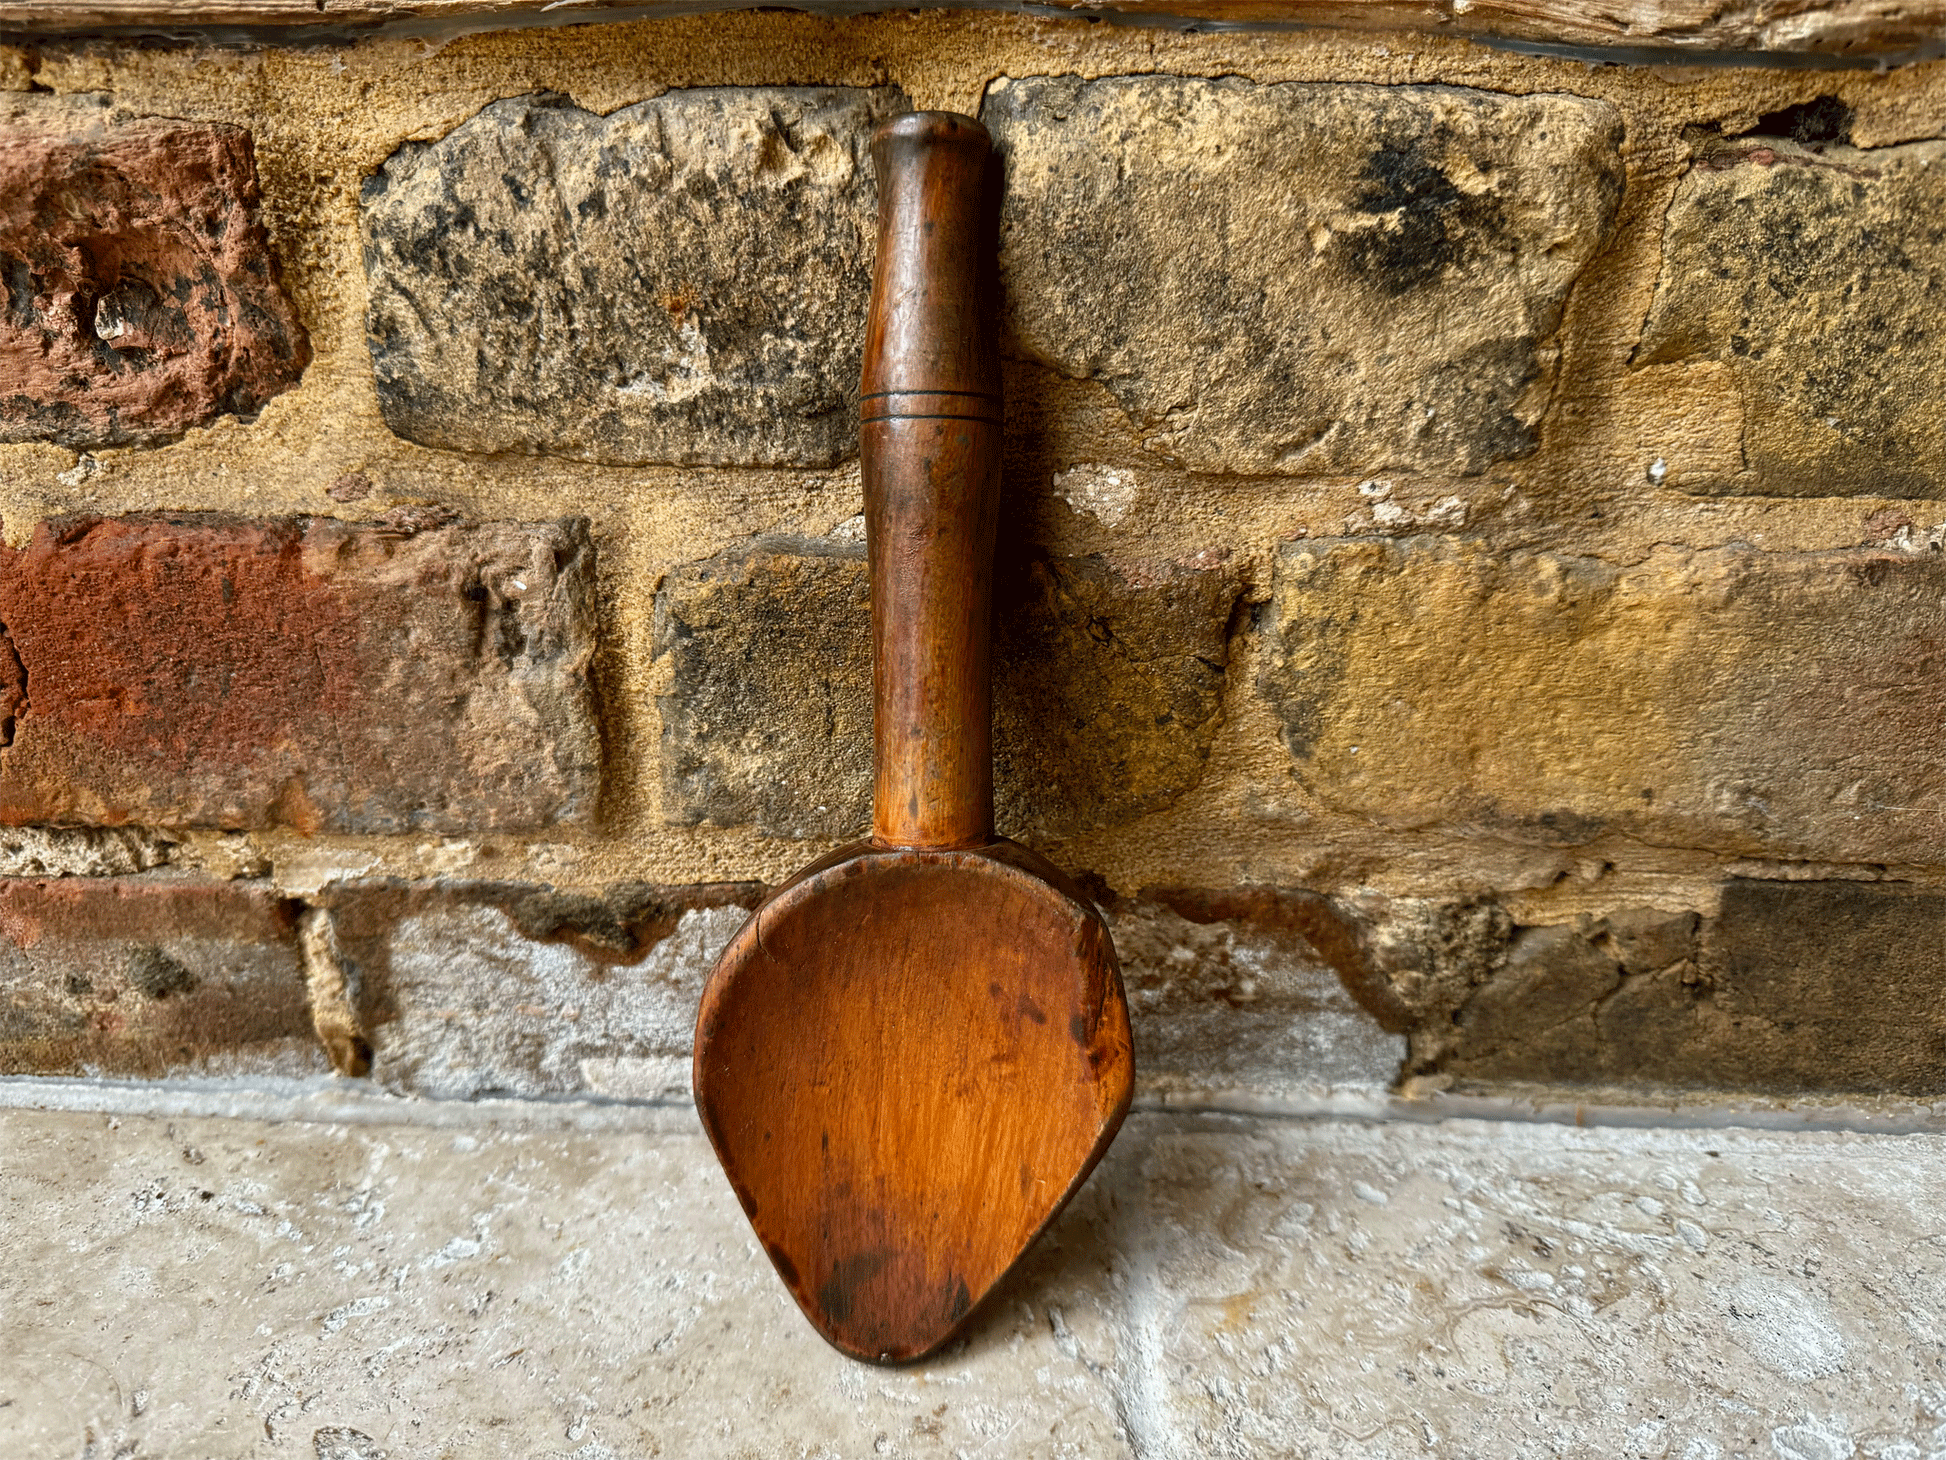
(614, 716)
(332, 984)
(62, 851)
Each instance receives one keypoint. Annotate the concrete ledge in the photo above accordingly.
(1224, 1285)
(328, 1100)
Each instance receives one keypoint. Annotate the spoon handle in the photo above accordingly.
(930, 439)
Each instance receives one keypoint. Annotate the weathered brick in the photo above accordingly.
(1107, 689)
(471, 989)
(768, 714)
(1812, 275)
(200, 670)
(467, 989)
(1297, 277)
(1792, 987)
(1253, 989)
(1783, 704)
(1820, 987)
(150, 976)
(684, 280)
(1830, 985)
(141, 295)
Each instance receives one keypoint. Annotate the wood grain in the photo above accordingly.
(929, 447)
(1855, 29)
(915, 1051)
(907, 1062)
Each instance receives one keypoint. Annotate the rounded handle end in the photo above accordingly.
(931, 327)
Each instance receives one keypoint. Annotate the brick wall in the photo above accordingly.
(1470, 592)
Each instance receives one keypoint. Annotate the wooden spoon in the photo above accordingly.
(916, 1050)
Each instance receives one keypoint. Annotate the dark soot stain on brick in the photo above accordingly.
(1426, 219)
(158, 975)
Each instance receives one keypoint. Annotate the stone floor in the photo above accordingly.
(349, 1279)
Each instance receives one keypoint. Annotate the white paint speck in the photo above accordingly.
(1106, 493)
(84, 467)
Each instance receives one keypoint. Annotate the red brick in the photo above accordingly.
(215, 671)
(148, 976)
(140, 294)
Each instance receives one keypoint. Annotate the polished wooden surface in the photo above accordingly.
(915, 1051)
(908, 1061)
(929, 442)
